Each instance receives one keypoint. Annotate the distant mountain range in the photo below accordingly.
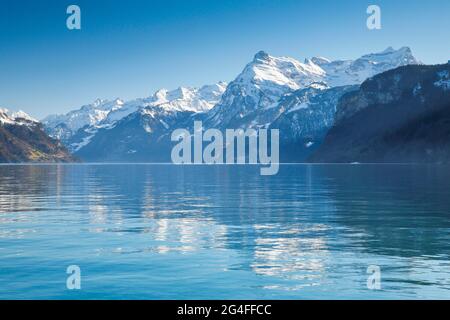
(381, 107)
(298, 98)
(77, 127)
(22, 139)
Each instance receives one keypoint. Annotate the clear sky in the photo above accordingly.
(128, 49)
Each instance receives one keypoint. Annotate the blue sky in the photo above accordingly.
(130, 48)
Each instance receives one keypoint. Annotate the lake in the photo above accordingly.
(139, 231)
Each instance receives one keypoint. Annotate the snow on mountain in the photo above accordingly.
(189, 99)
(266, 79)
(267, 73)
(261, 84)
(299, 98)
(17, 118)
(104, 113)
(348, 72)
(77, 128)
(64, 126)
(143, 136)
(152, 116)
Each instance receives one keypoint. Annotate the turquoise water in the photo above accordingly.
(218, 232)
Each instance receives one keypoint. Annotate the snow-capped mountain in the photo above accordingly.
(76, 128)
(16, 118)
(22, 139)
(141, 136)
(104, 113)
(266, 79)
(188, 99)
(346, 72)
(181, 99)
(62, 127)
(260, 86)
(273, 92)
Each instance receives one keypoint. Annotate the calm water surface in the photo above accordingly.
(218, 232)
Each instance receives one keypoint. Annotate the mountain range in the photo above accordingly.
(381, 107)
(299, 98)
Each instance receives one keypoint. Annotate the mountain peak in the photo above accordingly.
(405, 49)
(22, 115)
(403, 55)
(182, 92)
(261, 55)
(98, 102)
(161, 94)
(319, 60)
(19, 117)
(118, 101)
